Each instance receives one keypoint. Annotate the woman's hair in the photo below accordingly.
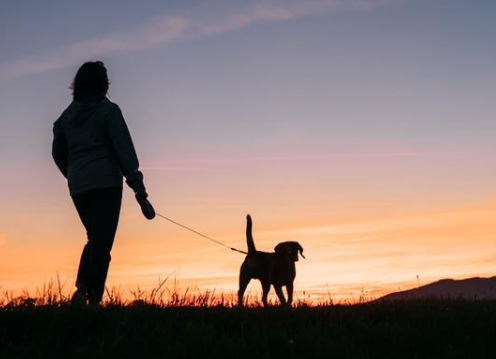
(91, 79)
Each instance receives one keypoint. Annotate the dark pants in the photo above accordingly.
(99, 211)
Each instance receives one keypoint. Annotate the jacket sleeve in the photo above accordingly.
(123, 146)
(59, 148)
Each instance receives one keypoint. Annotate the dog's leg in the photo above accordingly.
(265, 292)
(280, 294)
(289, 289)
(243, 283)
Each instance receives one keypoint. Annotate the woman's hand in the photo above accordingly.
(146, 207)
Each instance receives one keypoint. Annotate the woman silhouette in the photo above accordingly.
(93, 149)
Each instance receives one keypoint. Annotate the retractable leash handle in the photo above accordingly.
(146, 207)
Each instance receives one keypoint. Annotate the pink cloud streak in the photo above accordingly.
(177, 164)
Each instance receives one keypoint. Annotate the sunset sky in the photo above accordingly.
(363, 129)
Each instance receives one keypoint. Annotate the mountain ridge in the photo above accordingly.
(475, 288)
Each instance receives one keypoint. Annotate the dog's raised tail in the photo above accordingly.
(249, 236)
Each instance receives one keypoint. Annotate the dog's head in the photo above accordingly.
(291, 248)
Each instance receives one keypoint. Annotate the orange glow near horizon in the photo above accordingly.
(371, 251)
(364, 130)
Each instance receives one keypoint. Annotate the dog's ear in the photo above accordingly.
(295, 248)
(300, 249)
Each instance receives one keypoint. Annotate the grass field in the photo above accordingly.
(203, 327)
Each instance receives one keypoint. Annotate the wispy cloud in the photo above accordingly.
(159, 30)
(166, 28)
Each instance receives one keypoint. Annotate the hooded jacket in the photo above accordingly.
(93, 148)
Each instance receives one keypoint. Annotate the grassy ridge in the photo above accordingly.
(415, 329)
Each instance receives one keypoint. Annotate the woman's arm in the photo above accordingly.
(124, 149)
(59, 148)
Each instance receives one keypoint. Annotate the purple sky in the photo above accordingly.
(302, 111)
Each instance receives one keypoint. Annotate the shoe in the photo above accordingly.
(79, 298)
(94, 299)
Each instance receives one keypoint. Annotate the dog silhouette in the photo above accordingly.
(277, 268)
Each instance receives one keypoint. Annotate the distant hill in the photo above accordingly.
(472, 288)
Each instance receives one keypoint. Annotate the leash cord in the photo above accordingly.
(200, 234)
